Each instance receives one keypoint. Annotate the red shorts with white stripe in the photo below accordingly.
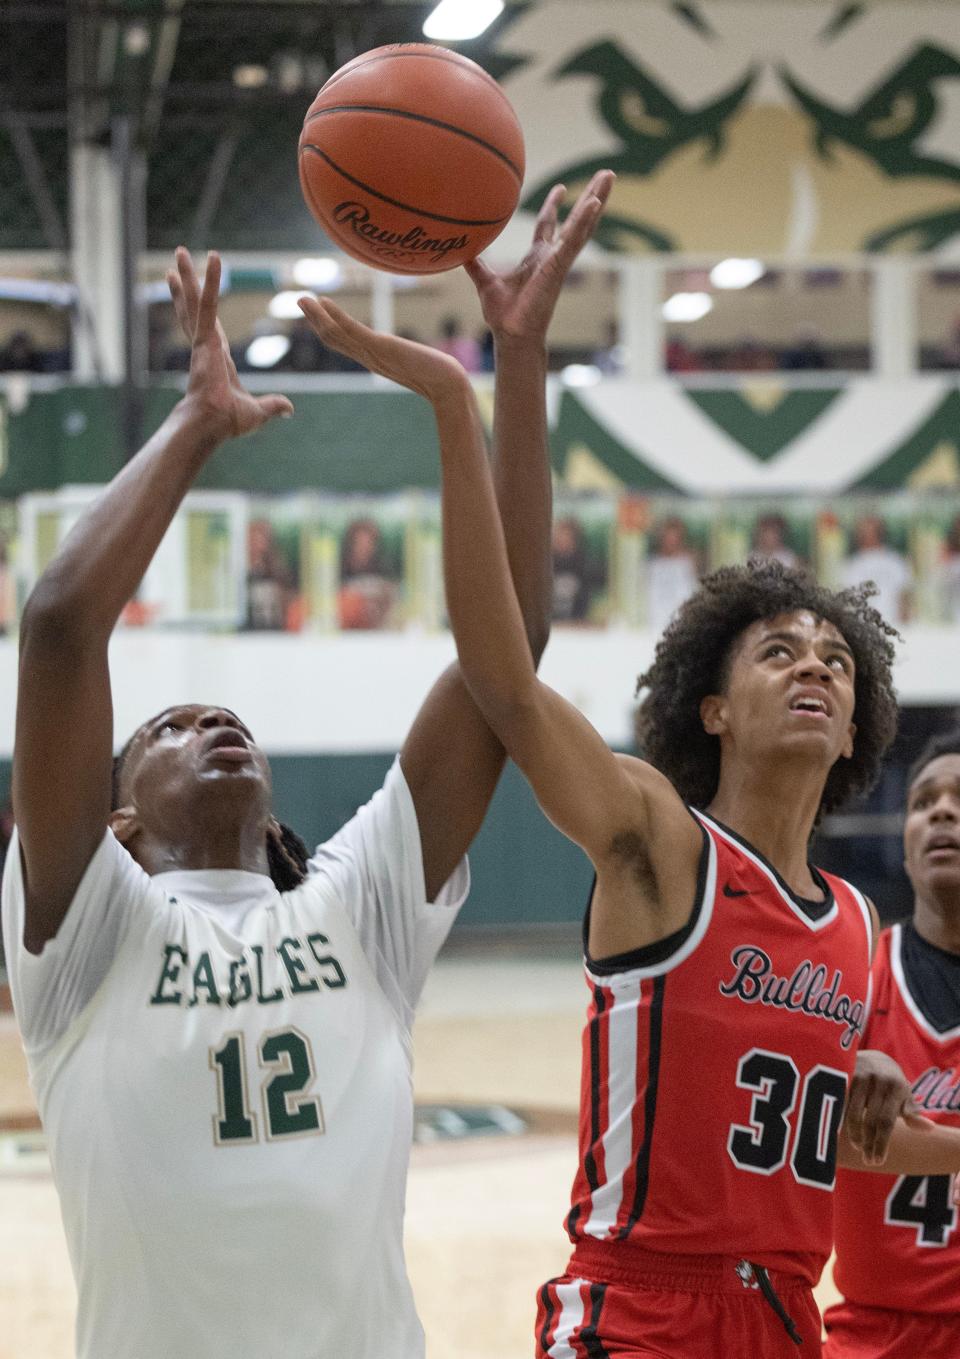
(695, 1307)
(855, 1332)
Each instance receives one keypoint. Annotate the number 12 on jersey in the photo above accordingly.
(288, 1111)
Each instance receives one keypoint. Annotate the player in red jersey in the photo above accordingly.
(897, 1242)
(731, 978)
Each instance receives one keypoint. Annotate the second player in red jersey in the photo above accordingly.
(897, 1237)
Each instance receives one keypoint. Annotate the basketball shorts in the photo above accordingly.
(670, 1307)
(855, 1332)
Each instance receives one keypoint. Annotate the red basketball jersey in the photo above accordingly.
(896, 1236)
(715, 1067)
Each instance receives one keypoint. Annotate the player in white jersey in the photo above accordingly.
(223, 1067)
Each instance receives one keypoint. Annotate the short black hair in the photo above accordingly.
(287, 855)
(693, 656)
(945, 743)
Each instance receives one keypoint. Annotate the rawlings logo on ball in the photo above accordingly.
(394, 243)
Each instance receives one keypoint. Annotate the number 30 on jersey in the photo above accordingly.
(762, 1145)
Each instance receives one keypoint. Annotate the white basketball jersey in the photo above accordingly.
(223, 1073)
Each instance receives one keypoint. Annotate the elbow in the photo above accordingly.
(50, 617)
(506, 708)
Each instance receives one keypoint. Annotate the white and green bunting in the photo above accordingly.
(760, 438)
(754, 437)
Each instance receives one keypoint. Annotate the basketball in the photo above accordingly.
(411, 158)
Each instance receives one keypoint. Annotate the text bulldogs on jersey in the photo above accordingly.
(805, 991)
(307, 965)
(938, 1090)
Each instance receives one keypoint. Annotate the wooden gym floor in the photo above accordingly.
(499, 1025)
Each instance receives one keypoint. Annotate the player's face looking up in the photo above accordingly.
(931, 832)
(789, 690)
(192, 767)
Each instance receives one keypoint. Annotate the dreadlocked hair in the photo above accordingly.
(287, 855)
(693, 659)
(946, 743)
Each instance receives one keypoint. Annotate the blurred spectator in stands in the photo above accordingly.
(571, 572)
(20, 355)
(875, 560)
(368, 592)
(751, 356)
(609, 357)
(159, 342)
(806, 353)
(270, 586)
(681, 358)
(487, 363)
(464, 348)
(770, 540)
(307, 352)
(672, 572)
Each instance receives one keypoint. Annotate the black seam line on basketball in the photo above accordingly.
(649, 1106)
(398, 56)
(395, 202)
(421, 118)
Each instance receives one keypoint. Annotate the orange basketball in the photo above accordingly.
(411, 158)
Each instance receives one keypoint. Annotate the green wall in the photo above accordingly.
(524, 870)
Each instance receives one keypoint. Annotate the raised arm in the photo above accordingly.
(606, 803)
(64, 727)
(451, 759)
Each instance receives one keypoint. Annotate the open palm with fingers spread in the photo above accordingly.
(518, 305)
(214, 383)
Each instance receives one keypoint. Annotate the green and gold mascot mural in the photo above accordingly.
(746, 128)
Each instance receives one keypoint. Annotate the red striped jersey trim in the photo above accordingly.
(572, 1312)
(623, 1077)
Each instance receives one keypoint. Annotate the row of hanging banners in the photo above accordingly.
(312, 562)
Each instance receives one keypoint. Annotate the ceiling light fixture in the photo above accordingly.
(687, 306)
(460, 20)
(736, 273)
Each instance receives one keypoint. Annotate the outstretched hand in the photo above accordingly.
(422, 369)
(214, 384)
(519, 305)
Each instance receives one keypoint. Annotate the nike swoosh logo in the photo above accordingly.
(729, 891)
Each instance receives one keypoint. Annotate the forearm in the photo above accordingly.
(484, 613)
(105, 557)
(918, 1147)
(521, 477)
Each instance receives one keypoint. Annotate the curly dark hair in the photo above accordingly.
(287, 855)
(945, 743)
(693, 657)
